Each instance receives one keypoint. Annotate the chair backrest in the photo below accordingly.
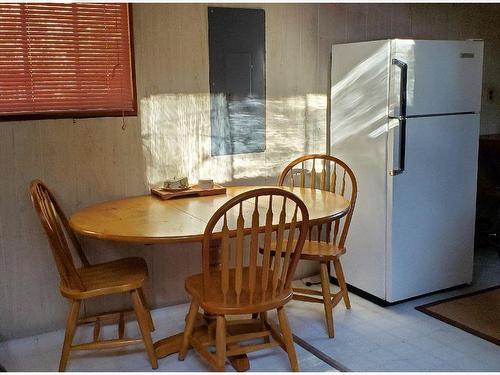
(58, 232)
(236, 226)
(324, 172)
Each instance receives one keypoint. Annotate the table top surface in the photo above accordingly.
(148, 219)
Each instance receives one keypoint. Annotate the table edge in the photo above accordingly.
(182, 239)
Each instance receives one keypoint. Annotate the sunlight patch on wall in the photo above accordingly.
(176, 138)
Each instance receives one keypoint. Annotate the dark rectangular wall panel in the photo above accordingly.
(237, 51)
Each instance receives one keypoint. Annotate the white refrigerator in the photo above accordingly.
(405, 117)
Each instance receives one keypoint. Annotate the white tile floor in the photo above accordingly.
(41, 353)
(367, 338)
(399, 338)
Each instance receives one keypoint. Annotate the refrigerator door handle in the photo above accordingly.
(402, 115)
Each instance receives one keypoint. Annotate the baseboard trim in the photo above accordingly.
(383, 303)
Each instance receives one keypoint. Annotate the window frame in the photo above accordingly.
(94, 113)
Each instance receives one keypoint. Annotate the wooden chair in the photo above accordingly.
(326, 242)
(244, 283)
(78, 284)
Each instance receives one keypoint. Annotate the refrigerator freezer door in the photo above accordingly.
(444, 77)
(432, 210)
(358, 135)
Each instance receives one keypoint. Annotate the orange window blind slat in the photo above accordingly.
(73, 59)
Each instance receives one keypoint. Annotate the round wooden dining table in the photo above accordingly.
(148, 220)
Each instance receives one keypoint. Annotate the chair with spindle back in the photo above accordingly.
(78, 284)
(326, 173)
(245, 283)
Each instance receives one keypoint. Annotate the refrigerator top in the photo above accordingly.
(411, 40)
(443, 77)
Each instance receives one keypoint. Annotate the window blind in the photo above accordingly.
(65, 59)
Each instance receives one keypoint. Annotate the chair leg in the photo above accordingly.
(288, 339)
(341, 279)
(188, 330)
(69, 334)
(211, 323)
(220, 343)
(327, 300)
(146, 307)
(142, 320)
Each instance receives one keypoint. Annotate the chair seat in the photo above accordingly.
(117, 276)
(314, 250)
(214, 303)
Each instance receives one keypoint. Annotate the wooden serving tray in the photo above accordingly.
(193, 190)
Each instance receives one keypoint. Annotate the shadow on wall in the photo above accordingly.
(177, 137)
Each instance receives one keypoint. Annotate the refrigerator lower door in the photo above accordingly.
(431, 206)
(358, 135)
(444, 77)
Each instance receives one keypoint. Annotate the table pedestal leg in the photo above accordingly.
(172, 344)
(239, 362)
(168, 345)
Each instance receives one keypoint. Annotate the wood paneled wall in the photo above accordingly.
(91, 160)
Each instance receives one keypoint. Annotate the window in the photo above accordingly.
(237, 51)
(65, 60)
